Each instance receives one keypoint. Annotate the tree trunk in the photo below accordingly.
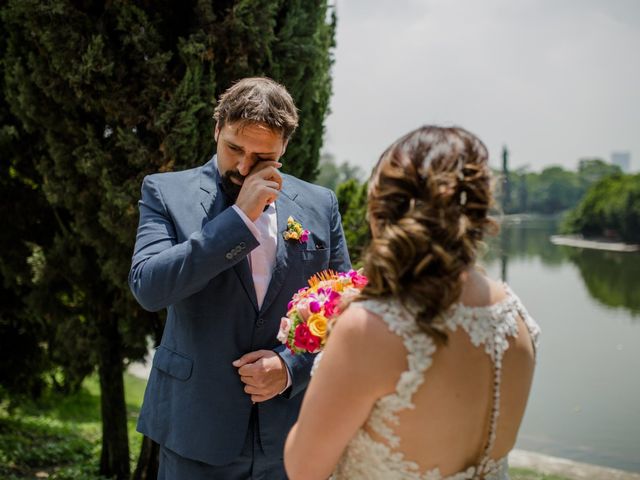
(147, 468)
(114, 459)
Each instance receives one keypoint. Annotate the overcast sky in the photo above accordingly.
(554, 80)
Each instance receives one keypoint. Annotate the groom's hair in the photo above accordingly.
(258, 100)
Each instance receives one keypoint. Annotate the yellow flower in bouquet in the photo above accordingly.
(318, 325)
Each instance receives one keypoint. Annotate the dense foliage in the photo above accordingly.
(352, 200)
(552, 190)
(332, 174)
(611, 208)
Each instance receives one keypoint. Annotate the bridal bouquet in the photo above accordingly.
(309, 312)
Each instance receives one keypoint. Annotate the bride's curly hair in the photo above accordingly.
(429, 199)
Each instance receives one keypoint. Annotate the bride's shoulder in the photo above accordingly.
(479, 290)
(362, 332)
(364, 319)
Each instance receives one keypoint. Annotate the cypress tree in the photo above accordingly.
(22, 356)
(506, 181)
(111, 91)
(38, 308)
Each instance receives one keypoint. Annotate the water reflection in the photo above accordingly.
(612, 278)
(585, 401)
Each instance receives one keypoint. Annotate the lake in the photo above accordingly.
(585, 401)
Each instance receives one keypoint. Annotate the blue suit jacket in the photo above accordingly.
(190, 257)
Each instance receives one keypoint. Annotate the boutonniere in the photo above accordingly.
(295, 231)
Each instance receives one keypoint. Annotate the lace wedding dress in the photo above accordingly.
(366, 458)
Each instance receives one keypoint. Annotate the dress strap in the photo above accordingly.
(498, 354)
(420, 347)
(492, 326)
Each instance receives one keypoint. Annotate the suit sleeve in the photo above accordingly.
(164, 271)
(299, 366)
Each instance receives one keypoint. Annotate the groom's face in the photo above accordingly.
(240, 147)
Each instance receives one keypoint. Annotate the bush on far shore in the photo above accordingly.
(610, 209)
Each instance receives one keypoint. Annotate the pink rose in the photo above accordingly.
(303, 309)
(285, 328)
(359, 281)
(304, 236)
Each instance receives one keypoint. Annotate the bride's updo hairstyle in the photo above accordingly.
(429, 198)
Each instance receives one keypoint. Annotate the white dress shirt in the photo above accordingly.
(262, 259)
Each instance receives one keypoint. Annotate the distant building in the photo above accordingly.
(623, 160)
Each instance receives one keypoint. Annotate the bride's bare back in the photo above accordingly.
(453, 405)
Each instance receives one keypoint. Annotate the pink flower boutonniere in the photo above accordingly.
(295, 231)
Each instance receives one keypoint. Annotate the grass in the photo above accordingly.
(524, 474)
(59, 437)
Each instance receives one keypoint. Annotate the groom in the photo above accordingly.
(223, 392)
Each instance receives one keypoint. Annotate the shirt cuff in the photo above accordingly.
(250, 225)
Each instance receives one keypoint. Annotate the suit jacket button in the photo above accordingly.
(242, 245)
(260, 322)
(229, 256)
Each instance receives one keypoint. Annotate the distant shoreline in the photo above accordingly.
(548, 465)
(596, 244)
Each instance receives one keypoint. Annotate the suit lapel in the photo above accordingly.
(209, 190)
(246, 278)
(285, 207)
(213, 204)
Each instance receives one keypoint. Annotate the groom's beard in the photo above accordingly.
(230, 188)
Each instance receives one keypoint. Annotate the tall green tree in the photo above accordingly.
(109, 92)
(23, 361)
(38, 311)
(506, 180)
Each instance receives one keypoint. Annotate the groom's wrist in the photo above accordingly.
(288, 373)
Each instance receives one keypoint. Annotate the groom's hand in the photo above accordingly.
(260, 188)
(263, 373)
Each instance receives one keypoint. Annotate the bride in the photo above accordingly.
(427, 374)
